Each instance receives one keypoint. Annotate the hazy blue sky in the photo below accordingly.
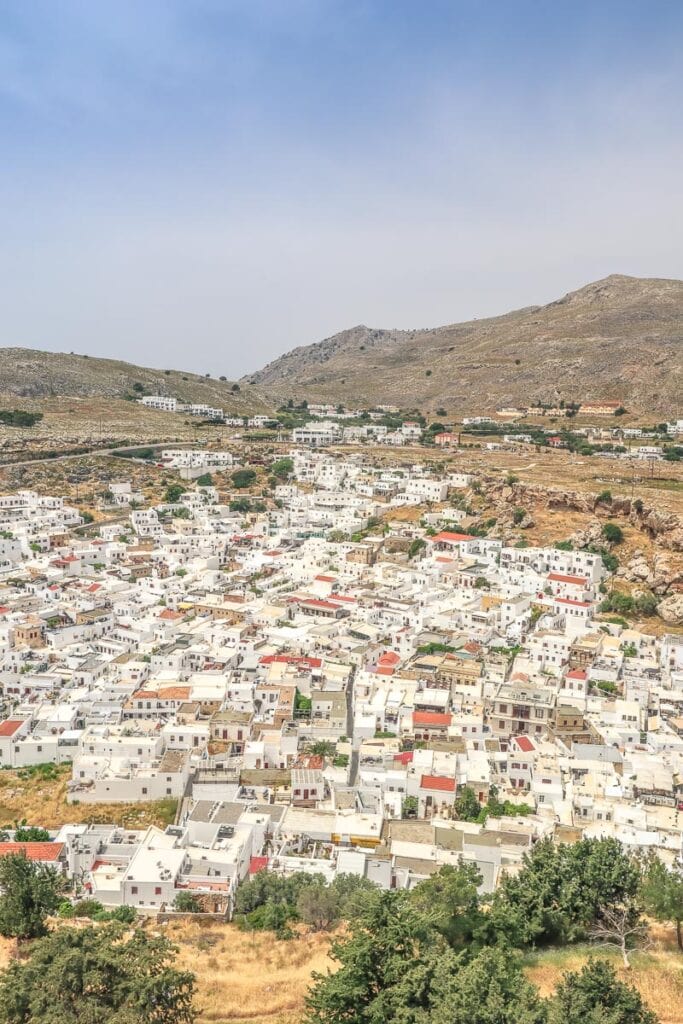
(207, 183)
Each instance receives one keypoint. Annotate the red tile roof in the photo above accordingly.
(34, 851)
(431, 718)
(438, 782)
(257, 864)
(577, 673)
(10, 726)
(389, 658)
(525, 744)
(558, 577)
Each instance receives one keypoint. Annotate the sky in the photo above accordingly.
(205, 184)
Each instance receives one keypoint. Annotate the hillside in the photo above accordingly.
(30, 373)
(619, 339)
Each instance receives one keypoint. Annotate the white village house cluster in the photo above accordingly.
(316, 696)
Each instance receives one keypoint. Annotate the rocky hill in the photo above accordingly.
(617, 339)
(30, 373)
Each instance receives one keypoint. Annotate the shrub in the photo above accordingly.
(613, 533)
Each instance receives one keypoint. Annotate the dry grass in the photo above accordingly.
(26, 794)
(256, 979)
(657, 974)
(248, 978)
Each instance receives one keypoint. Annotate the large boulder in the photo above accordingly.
(671, 609)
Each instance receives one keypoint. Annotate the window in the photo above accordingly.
(144, 790)
(157, 890)
(134, 890)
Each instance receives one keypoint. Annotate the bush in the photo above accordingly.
(173, 494)
(604, 498)
(613, 533)
(242, 478)
(31, 834)
(19, 418)
(187, 903)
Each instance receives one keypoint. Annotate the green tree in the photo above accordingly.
(242, 478)
(28, 893)
(97, 976)
(594, 995)
(490, 989)
(662, 893)
(282, 468)
(409, 807)
(416, 545)
(386, 960)
(205, 480)
(613, 533)
(319, 906)
(450, 899)
(187, 903)
(323, 748)
(31, 834)
(559, 892)
(467, 807)
(173, 493)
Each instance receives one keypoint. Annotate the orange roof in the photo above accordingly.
(168, 613)
(10, 726)
(559, 578)
(174, 692)
(438, 782)
(389, 658)
(34, 851)
(164, 693)
(431, 718)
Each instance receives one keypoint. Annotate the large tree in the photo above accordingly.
(594, 995)
(97, 976)
(559, 892)
(449, 898)
(662, 892)
(28, 893)
(489, 989)
(386, 960)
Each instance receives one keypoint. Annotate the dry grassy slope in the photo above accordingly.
(34, 374)
(618, 339)
(255, 979)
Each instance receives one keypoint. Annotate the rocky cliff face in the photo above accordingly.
(658, 569)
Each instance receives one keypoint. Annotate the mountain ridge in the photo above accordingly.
(35, 373)
(618, 338)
